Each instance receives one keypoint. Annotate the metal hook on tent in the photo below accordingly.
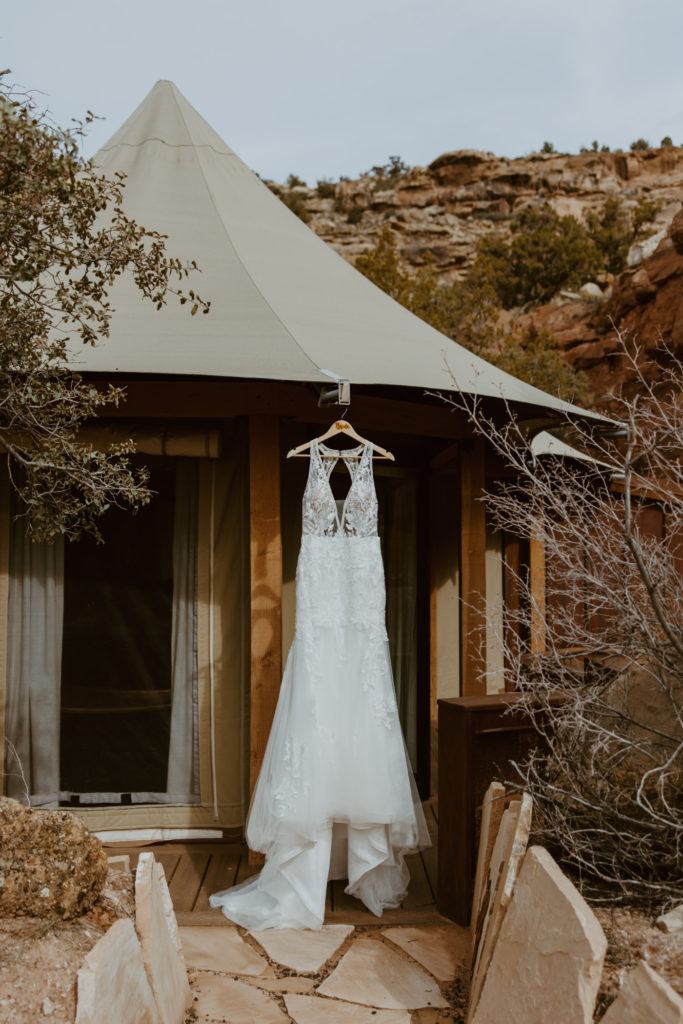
(338, 394)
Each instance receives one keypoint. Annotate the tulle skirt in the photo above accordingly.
(336, 796)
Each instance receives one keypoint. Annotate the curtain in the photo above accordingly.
(400, 558)
(34, 654)
(183, 756)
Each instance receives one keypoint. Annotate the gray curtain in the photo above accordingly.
(399, 529)
(34, 657)
(183, 756)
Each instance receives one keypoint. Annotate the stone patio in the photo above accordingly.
(340, 975)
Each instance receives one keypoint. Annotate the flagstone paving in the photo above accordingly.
(231, 1001)
(224, 950)
(373, 974)
(340, 975)
(316, 1010)
(304, 951)
(442, 951)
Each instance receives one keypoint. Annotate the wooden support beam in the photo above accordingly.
(472, 570)
(212, 399)
(512, 568)
(537, 591)
(266, 582)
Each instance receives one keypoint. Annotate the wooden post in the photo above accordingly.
(511, 580)
(266, 582)
(472, 570)
(537, 590)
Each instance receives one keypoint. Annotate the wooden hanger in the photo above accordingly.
(339, 427)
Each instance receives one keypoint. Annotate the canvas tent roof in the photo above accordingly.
(285, 306)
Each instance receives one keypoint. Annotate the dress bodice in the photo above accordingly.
(358, 516)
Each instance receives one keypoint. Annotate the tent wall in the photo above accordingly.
(223, 671)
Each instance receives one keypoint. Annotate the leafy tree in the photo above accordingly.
(614, 229)
(294, 181)
(666, 141)
(389, 173)
(548, 147)
(64, 240)
(547, 252)
(640, 145)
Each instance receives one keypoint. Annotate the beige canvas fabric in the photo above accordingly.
(285, 306)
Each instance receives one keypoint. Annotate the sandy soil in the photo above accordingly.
(39, 960)
(631, 937)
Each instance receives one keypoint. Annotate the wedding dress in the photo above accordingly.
(335, 796)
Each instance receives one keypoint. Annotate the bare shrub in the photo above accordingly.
(597, 654)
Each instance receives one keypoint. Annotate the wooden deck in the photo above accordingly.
(196, 868)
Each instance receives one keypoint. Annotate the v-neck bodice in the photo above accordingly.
(358, 517)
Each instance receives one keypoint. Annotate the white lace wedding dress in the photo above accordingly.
(335, 797)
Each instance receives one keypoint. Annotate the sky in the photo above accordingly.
(324, 89)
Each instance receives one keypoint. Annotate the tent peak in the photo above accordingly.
(165, 117)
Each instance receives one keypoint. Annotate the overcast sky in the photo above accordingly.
(326, 89)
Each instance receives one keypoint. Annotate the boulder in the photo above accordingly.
(591, 292)
(672, 921)
(645, 997)
(50, 865)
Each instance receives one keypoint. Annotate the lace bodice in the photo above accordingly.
(358, 517)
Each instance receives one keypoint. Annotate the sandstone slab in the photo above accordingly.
(302, 950)
(221, 949)
(112, 983)
(547, 961)
(50, 865)
(439, 949)
(373, 974)
(672, 921)
(645, 997)
(233, 1002)
(317, 1010)
(161, 948)
(120, 863)
(506, 858)
(492, 808)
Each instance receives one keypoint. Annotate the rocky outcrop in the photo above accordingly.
(443, 209)
(645, 303)
(50, 865)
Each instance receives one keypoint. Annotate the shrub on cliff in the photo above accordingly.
(614, 229)
(546, 253)
(326, 189)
